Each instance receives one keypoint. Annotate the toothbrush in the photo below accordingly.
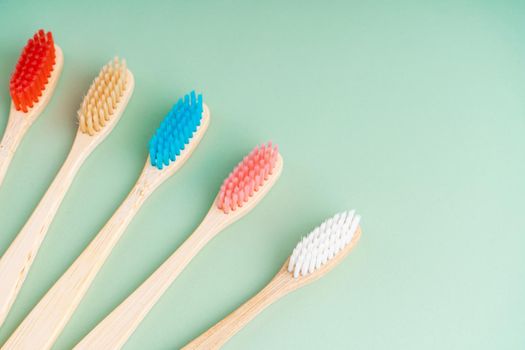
(32, 84)
(173, 143)
(98, 114)
(313, 257)
(248, 183)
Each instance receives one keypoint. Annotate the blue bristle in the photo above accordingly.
(176, 130)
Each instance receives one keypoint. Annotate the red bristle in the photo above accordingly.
(247, 178)
(33, 70)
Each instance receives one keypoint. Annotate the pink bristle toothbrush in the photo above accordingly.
(249, 182)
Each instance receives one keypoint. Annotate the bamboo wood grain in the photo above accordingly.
(282, 284)
(45, 322)
(19, 122)
(16, 261)
(117, 327)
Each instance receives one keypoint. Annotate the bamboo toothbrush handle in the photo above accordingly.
(16, 261)
(17, 126)
(218, 335)
(43, 325)
(115, 329)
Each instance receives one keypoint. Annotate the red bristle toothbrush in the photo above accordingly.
(32, 84)
(249, 182)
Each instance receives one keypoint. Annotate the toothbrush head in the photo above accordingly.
(176, 130)
(326, 243)
(250, 179)
(106, 98)
(33, 71)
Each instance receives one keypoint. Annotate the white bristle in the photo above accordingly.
(323, 243)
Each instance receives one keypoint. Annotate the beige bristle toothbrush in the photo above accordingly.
(246, 185)
(99, 112)
(31, 86)
(171, 146)
(313, 257)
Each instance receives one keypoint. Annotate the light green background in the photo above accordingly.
(413, 112)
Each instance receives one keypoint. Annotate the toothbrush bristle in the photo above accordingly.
(323, 243)
(32, 71)
(103, 97)
(176, 130)
(247, 177)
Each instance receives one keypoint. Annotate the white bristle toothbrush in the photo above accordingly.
(99, 112)
(313, 257)
(32, 84)
(170, 147)
(248, 183)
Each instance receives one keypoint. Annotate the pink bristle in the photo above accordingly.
(247, 177)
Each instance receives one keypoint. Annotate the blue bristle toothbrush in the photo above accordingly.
(170, 147)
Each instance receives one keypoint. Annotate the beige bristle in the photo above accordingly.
(103, 97)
